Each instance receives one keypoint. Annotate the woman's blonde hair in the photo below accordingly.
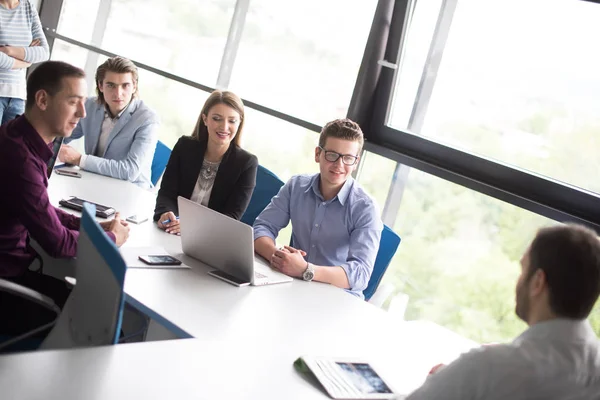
(220, 97)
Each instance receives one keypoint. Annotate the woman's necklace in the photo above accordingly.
(209, 169)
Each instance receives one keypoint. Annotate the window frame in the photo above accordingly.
(534, 192)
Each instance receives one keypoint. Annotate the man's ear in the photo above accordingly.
(99, 86)
(317, 153)
(537, 283)
(41, 99)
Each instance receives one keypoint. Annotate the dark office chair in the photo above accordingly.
(267, 186)
(388, 245)
(25, 341)
(159, 162)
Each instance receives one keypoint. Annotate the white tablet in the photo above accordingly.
(348, 378)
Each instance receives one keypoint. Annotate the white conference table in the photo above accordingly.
(245, 339)
(186, 369)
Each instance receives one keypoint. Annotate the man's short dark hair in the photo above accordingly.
(342, 129)
(49, 76)
(569, 255)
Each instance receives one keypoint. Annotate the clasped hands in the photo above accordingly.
(289, 261)
(118, 227)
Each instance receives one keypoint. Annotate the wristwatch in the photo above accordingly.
(309, 273)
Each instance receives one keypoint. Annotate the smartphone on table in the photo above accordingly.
(136, 219)
(163, 259)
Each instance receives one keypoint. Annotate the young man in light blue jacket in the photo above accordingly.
(120, 131)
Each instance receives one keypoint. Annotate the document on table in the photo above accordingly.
(131, 254)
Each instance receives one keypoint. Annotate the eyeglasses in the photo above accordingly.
(333, 156)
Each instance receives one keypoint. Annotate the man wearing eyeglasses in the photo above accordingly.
(335, 224)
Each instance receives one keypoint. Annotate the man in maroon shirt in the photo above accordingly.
(56, 94)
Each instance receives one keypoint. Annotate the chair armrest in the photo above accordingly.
(383, 292)
(29, 294)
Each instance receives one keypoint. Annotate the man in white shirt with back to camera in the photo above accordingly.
(558, 356)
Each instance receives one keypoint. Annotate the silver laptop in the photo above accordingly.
(224, 243)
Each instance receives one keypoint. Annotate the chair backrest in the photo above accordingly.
(159, 162)
(25, 341)
(388, 244)
(93, 312)
(267, 186)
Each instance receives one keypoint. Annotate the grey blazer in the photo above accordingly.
(131, 144)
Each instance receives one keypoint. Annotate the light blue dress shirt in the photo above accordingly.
(343, 231)
(552, 360)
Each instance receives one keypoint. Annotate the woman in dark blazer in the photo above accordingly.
(209, 167)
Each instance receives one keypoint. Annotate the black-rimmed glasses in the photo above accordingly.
(333, 156)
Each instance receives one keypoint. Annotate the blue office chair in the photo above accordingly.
(267, 186)
(159, 162)
(93, 312)
(388, 244)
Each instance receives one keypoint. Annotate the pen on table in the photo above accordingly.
(168, 221)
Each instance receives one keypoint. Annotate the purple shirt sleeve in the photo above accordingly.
(42, 219)
(72, 222)
(111, 236)
(68, 220)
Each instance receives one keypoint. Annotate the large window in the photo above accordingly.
(458, 261)
(289, 58)
(375, 174)
(63, 51)
(284, 148)
(518, 82)
(177, 105)
(77, 19)
(184, 37)
(302, 58)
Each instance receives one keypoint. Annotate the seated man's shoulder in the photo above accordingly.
(91, 104)
(301, 181)
(13, 149)
(358, 195)
(502, 356)
(14, 158)
(143, 112)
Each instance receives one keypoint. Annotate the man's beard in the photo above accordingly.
(522, 307)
